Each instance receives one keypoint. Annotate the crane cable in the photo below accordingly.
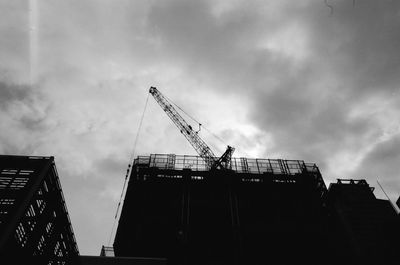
(210, 132)
(129, 168)
(200, 124)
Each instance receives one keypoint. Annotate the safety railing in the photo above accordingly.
(239, 165)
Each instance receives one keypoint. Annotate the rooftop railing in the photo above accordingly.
(239, 165)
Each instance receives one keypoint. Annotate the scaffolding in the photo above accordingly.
(252, 169)
(239, 165)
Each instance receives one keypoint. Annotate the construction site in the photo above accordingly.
(204, 209)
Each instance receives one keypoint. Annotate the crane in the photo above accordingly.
(212, 162)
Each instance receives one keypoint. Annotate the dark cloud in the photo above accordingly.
(25, 104)
(382, 161)
(23, 112)
(10, 93)
(206, 46)
(352, 58)
(382, 164)
(359, 45)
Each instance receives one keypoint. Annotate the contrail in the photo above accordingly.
(33, 41)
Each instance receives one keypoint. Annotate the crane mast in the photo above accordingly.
(192, 136)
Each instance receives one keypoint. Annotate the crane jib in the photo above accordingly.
(194, 139)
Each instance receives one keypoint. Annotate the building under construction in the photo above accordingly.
(262, 211)
(257, 211)
(34, 223)
(209, 210)
(179, 211)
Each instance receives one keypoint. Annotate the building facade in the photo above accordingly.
(257, 212)
(34, 224)
(365, 229)
(261, 211)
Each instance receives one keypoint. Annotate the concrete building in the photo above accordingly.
(257, 212)
(365, 229)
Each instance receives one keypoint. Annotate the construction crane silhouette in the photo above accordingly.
(204, 151)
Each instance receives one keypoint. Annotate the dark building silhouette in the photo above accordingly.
(178, 211)
(398, 202)
(102, 260)
(263, 211)
(365, 228)
(259, 211)
(107, 251)
(34, 223)
(107, 257)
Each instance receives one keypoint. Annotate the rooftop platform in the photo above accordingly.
(238, 165)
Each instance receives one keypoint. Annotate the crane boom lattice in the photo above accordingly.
(192, 136)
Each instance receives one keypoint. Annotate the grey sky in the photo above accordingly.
(275, 79)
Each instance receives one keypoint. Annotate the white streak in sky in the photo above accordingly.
(33, 41)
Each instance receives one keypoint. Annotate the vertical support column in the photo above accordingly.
(185, 215)
(245, 167)
(282, 166)
(232, 183)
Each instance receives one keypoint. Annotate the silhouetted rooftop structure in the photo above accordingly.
(107, 251)
(34, 223)
(366, 229)
(103, 260)
(177, 209)
(260, 211)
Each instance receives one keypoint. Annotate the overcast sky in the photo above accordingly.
(275, 79)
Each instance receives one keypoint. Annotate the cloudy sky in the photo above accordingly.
(288, 79)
